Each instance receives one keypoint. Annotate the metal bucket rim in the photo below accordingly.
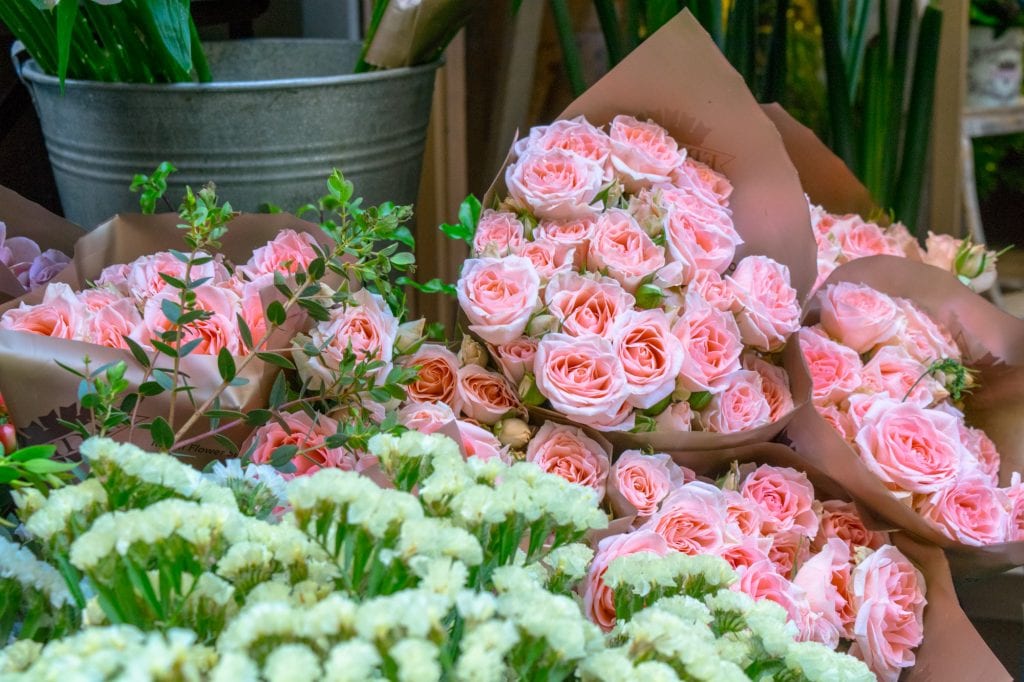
(32, 72)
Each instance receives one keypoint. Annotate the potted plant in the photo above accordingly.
(995, 43)
(121, 86)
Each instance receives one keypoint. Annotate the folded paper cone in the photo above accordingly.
(992, 342)
(27, 219)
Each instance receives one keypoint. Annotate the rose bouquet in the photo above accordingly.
(911, 402)
(148, 567)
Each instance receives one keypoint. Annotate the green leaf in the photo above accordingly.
(403, 259)
(276, 313)
(258, 417)
(8, 474)
(67, 12)
(225, 365)
(279, 391)
(33, 452)
(244, 331)
(469, 212)
(162, 433)
(276, 359)
(187, 348)
(283, 454)
(163, 379)
(151, 388)
(699, 399)
(226, 443)
(171, 20)
(138, 352)
(48, 466)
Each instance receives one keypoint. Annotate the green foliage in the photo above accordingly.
(999, 14)
(152, 188)
(33, 467)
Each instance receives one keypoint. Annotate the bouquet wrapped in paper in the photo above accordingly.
(34, 245)
(640, 263)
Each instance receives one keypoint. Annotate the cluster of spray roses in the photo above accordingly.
(605, 286)
(888, 378)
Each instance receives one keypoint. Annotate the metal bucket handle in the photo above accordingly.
(19, 57)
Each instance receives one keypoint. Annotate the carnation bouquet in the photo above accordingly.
(639, 273)
(917, 387)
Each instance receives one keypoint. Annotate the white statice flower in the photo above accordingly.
(209, 596)
(482, 651)
(768, 622)
(478, 505)
(571, 562)
(610, 665)
(556, 619)
(656, 671)
(393, 450)
(730, 602)
(353, 661)
(736, 647)
(28, 501)
(476, 607)
(435, 538)
(442, 576)
(18, 656)
(410, 613)
(817, 663)
(270, 620)
(686, 608)
(21, 565)
(384, 513)
(487, 471)
(235, 666)
(449, 478)
(417, 660)
(84, 500)
(270, 591)
(292, 663)
(512, 579)
(335, 616)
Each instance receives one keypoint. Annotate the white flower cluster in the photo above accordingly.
(643, 573)
(258, 488)
(64, 510)
(20, 565)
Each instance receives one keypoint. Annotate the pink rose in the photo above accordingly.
(643, 153)
(645, 480)
(115, 277)
(737, 404)
(982, 451)
(581, 377)
(786, 499)
(712, 346)
(498, 233)
(1015, 521)
(893, 372)
(940, 250)
(769, 311)
(498, 296)
(788, 551)
(485, 396)
(219, 330)
(575, 135)
(691, 519)
(717, 292)
(548, 257)
(840, 520)
(835, 369)
(760, 581)
(701, 237)
(308, 436)
(703, 180)
(923, 338)
(43, 268)
(840, 421)
(910, 448)
(743, 513)
(774, 386)
(97, 299)
(516, 357)
(825, 579)
(426, 417)
(904, 242)
(143, 280)
(367, 328)
(555, 184)
(622, 249)
(438, 376)
(585, 305)
(859, 317)
(749, 551)
(676, 417)
(888, 597)
(288, 252)
(971, 511)
(253, 312)
(598, 598)
(479, 442)
(858, 239)
(568, 452)
(60, 315)
(650, 356)
(574, 233)
(109, 325)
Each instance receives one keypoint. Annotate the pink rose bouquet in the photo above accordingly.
(607, 287)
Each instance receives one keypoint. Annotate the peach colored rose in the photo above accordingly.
(983, 453)
(623, 250)
(738, 403)
(749, 551)
(97, 299)
(548, 257)
(568, 452)
(840, 520)
(498, 233)
(840, 421)
(857, 405)
(438, 376)
(704, 180)
(768, 309)
(555, 184)
(498, 296)
(788, 551)
(691, 519)
(598, 598)
(760, 581)
(581, 377)
(366, 328)
(587, 305)
(742, 513)
(485, 396)
(253, 311)
(892, 371)
(825, 579)
(971, 511)
(911, 449)
(644, 480)
(575, 135)
(714, 290)
(115, 277)
(861, 239)
(308, 435)
(904, 242)
(701, 237)
(925, 340)
(60, 315)
(479, 442)
(774, 385)
(516, 357)
(835, 370)
(288, 252)
(426, 417)
(573, 233)
(940, 250)
(143, 280)
(109, 325)
(650, 354)
(786, 499)
(642, 153)
(822, 221)
(676, 417)
(859, 317)
(219, 330)
(712, 346)
(888, 597)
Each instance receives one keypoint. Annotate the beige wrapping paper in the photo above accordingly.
(38, 392)
(413, 33)
(952, 650)
(679, 79)
(992, 342)
(27, 219)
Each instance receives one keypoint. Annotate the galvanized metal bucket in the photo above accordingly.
(281, 115)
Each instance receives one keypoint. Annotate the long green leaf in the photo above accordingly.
(570, 51)
(775, 69)
(67, 12)
(919, 118)
(840, 112)
(709, 14)
(660, 12)
(853, 56)
(609, 20)
(35, 29)
(898, 79)
(379, 6)
(171, 20)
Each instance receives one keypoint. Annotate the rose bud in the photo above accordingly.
(513, 432)
(409, 333)
(472, 352)
(541, 325)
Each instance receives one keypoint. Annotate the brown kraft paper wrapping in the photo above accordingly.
(27, 219)
(679, 79)
(952, 649)
(39, 392)
(992, 342)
